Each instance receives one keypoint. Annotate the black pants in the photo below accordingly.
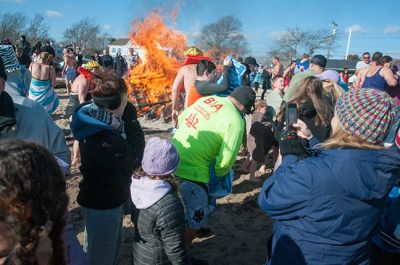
(263, 93)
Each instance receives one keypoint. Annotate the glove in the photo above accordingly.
(291, 144)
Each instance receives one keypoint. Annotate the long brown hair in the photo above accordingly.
(311, 89)
(32, 195)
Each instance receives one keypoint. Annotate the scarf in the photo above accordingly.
(106, 117)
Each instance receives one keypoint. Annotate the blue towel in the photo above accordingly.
(219, 187)
(236, 74)
(42, 92)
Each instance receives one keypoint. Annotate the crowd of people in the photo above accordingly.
(333, 194)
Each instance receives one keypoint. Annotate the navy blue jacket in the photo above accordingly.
(327, 208)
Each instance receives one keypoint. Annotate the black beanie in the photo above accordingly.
(245, 96)
(3, 73)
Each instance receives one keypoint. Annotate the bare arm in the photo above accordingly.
(361, 78)
(389, 76)
(175, 89)
(82, 88)
(53, 76)
(287, 71)
(65, 65)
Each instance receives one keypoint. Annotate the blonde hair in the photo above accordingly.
(341, 139)
(333, 90)
(259, 104)
(46, 57)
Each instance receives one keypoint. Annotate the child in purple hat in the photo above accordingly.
(158, 212)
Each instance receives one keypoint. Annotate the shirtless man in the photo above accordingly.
(69, 69)
(79, 93)
(277, 70)
(186, 76)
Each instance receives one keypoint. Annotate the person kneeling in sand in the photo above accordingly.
(260, 141)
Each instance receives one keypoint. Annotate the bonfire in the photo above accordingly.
(162, 53)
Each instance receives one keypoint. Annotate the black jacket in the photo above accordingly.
(49, 50)
(120, 65)
(25, 60)
(159, 233)
(108, 161)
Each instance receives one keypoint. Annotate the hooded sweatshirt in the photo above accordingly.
(145, 191)
(327, 208)
(107, 158)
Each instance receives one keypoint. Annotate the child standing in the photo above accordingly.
(259, 141)
(158, 212)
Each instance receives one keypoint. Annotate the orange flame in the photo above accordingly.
(161, 50)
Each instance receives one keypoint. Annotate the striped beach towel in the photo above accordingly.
(42, 92)
(9, 58)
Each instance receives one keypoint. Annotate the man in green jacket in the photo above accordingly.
(210, 130)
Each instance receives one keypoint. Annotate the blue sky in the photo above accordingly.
(376, 24)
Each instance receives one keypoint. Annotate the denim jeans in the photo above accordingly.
(73, 250)
(103, 235)
(391, 136)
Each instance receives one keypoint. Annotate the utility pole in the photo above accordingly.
(348, 44)
(330, 38)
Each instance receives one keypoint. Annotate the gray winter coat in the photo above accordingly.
(159, 233)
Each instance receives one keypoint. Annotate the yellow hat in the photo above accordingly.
(193, 51)
(91, 65)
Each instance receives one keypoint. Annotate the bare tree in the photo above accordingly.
(315, 40)
(83, 33)
(287, 44)
(290, 43)
(12, 25)
(222, 37)
(38, 29)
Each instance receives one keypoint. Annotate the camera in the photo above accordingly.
(290, 115)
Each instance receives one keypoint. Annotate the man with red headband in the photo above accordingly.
(185, 78)
(80, 92)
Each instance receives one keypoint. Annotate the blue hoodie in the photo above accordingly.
(83, 125)
(327, 208)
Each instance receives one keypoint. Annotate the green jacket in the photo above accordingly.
(211, 129)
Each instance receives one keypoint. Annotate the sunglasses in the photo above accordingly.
(366, 58)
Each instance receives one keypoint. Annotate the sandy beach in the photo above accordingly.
(239, 229)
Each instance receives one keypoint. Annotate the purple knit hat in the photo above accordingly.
(160, 157)
(366, 113)
(329, 75)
